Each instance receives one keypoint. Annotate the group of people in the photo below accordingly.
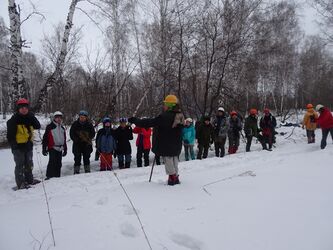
(169, 131)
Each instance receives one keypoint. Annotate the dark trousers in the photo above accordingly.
(203, 151)
(219, 146)
(324, 138)
(267, 139)
(158, 159)
(189, 151)
(310, 134)
(249, 142)
(127, 158)
(145, 153)
(23, 166)
(54, 165)
(80, 151)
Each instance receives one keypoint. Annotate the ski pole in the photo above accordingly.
(152, 168)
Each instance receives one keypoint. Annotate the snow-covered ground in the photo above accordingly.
(255, 201)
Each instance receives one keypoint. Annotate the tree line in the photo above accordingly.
(237, 54)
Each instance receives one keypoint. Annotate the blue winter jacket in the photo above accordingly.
(188, 135)
(105, 141)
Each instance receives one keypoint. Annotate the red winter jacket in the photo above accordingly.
(146, 133)
(325, 120)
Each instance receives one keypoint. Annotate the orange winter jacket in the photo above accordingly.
(309, 120)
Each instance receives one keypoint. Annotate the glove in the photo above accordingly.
(132, 120)
(115, 155)
(64, 153)
(44, 152)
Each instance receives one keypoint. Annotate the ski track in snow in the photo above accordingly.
(92, 212)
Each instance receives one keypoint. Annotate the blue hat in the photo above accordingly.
(83, 112)
(123, 119)
(106, 119)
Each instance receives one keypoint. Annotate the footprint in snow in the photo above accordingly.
(102, 201)
(128, 230)
(186, 241)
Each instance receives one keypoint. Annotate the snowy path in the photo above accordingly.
(259, 200)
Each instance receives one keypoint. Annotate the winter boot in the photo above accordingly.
(76, 169)
(87, 168)
(127, 164)
(176, 179)
(171, 180)
(121, 166)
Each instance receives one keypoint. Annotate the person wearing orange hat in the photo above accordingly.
(20, 132)
(309, 122)
(267, 125)
(169, 137)
(235, 126)
(251, 129)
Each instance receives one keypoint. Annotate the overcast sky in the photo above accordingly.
(56, 10)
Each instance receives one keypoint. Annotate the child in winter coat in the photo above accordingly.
(143, 145)
(123, 136)
(309, 122)
(234, 132)
(221, 127)
(325, 121)
(267, 125)
(54, 144)
(106, 144)
(205, 136)
(188, 135)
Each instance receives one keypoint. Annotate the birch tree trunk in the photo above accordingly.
(57, 74)
(18, 88)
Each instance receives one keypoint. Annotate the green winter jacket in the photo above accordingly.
(251, 126)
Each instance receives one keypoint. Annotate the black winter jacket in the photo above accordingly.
(123, 136)
(28, 121)
(168, 139)
(82, 133)
(205, 134)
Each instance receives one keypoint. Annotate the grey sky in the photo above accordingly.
(56, 11)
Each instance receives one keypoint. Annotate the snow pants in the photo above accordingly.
(54, 165)
(219, 146)
(310, 134)
(145, 153)
(324, 138)
(171, 165)
(127, 158)
(203, 151)
(23, 166)
(106, 161)
(249, 141)
(189, 151)
(79, 151)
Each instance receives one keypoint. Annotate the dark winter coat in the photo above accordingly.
(20, 130)
(54, 138)
(205, 134)
(234, 128)
(251, 126)
(268, 124)
(82, 133)
(168, 139)
(221, 126)
(123, 137)
(105, 141)
(325, 119)
(143, 139)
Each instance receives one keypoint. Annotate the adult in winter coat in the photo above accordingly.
(106, 144)
(143, 145)
(20, 131)
(309, 122)
(123, 135)
(168, 138)
(325, 121)
(221, 127)
(54, 144)
(267, 125)
(82, 132)
(205, 136)
(234, 132)
(188, 135)
(251, 129)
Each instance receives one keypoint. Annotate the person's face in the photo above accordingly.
(24, 110)
(123, 124)
(234, 117)
(82, 118)
(220, 113)
(107, 124)
(266, 113)
(165, 108)
(187, 123)
(58, 119)
(207, 122)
